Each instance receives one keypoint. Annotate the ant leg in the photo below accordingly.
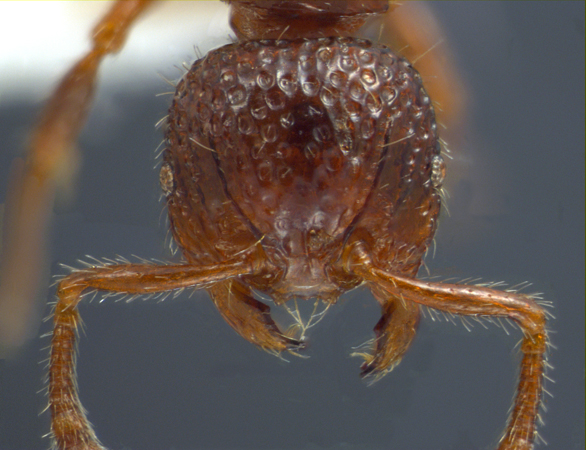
(250, 318)
(394, 333)
(478, 301)
(412, 29)
(70, 428)
(51, 157)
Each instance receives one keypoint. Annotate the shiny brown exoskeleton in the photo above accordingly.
(301, 162)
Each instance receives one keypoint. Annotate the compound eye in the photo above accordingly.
(438, 171)
(166, 179)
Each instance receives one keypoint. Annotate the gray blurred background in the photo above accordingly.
(173, 375)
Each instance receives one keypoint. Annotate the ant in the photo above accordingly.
(300, 163)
